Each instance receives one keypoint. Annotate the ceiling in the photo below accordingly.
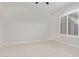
(41, 7)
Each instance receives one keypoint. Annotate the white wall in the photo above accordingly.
(1, 33)
(22, 25)
(74, 41)
(1, 25)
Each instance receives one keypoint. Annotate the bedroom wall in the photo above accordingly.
(73, 41)
(1, 33)
(22, 25)
(1, 25)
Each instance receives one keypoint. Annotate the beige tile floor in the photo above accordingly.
(39, 49)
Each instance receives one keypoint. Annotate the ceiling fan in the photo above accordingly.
(45, 3)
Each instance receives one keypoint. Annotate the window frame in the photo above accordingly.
(67, 14)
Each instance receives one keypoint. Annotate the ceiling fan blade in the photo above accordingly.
(47, 3)
(36, 2)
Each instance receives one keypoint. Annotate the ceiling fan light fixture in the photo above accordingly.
(44, 2)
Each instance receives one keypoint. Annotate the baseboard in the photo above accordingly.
(69, 44)
(1, 45)
(13, 43)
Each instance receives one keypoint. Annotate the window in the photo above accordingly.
(64, 25)
(69, 23)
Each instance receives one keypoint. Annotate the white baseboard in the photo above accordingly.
(12, 43)
(1, 45)
(69, 44)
